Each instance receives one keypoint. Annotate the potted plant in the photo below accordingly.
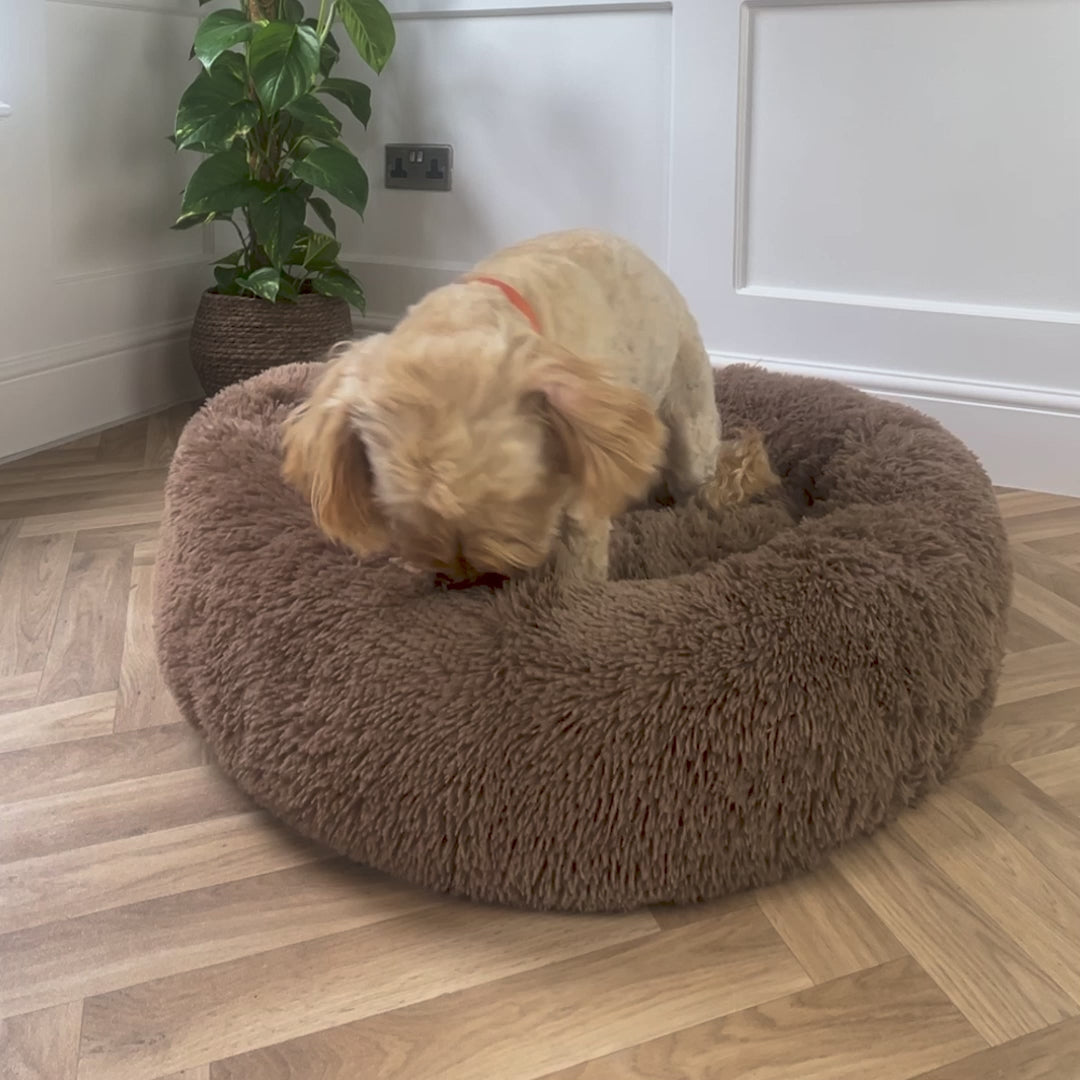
(258, 110)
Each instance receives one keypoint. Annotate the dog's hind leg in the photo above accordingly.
(725, 472)
(583, 553)
(689, 411)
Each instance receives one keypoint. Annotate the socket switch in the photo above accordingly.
(421, 166)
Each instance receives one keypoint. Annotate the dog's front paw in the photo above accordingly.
(743, 470)
(581, 562)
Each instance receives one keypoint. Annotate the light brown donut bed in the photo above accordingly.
(751, 689)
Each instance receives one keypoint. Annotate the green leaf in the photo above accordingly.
(371, 29)
(234, 258)
(291, 11)
(220, 183)
(305, 145)
(277, 218)
(317, 120)
(351, 93)
(222, 131)
(265, 282)
(214, 110)
(221, 30)
(226, 278)
(317, 251)
(283, 61)
(232, 64)
(339, 282)
(330, 54)
(323, 213)
(338, 172)
(288, 289)
(189, 221)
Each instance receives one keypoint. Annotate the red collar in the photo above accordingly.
(512, 295)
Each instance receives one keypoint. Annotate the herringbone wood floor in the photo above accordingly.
(153, 923)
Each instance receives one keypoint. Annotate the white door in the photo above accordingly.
(96, 294)
(888, 192)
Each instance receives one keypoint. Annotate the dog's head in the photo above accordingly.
(460, 453)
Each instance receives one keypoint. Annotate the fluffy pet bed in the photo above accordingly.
(750, 690)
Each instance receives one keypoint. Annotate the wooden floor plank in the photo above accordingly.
(530, 1024)
(36, 509)
(122, 536)
(235, 1007)
(672, 916)
(163, 431)
(65, 454)
(74, 719)
(31, 582)
(1050, 609)
(41, 1045)
(1044, 525)
(1048, 831)
(18, 692)
(827, 925)
(134, 510)
(124, 946)
(1021, 503)
(885, 1023)
(1058, 774)
(1000, 877)
(144, 700)
(124, 443)
(86, 647)
(1025, 633)
(47, 494)
(1038, 672)
(92, 440)
(121, 872)
(1026, 729)
(994, 983)
(1065, 549)
(209, 938)
(24, 471)
(9, 530)
(103, 759)
(1049, 572)
(98, 815)
(1050, 1054)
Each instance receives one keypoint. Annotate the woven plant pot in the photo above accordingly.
(235, 337)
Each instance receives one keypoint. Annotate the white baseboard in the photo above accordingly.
(52, 397)
(1026, 436)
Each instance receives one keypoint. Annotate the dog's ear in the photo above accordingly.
(326, 459)
(608, 436)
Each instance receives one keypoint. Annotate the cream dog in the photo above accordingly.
(510, 416)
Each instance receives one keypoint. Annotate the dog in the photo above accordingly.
(511, 415)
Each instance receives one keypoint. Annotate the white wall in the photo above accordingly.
(896, 204)
(886, 191)
(95, 293)
(559, 115)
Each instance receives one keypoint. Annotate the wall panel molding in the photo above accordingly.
(908, 303)
(914, 384)
(78, 352)
(1025, 436)
(859, 183)
(48, 404)
(165, 7)
(407, 10)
